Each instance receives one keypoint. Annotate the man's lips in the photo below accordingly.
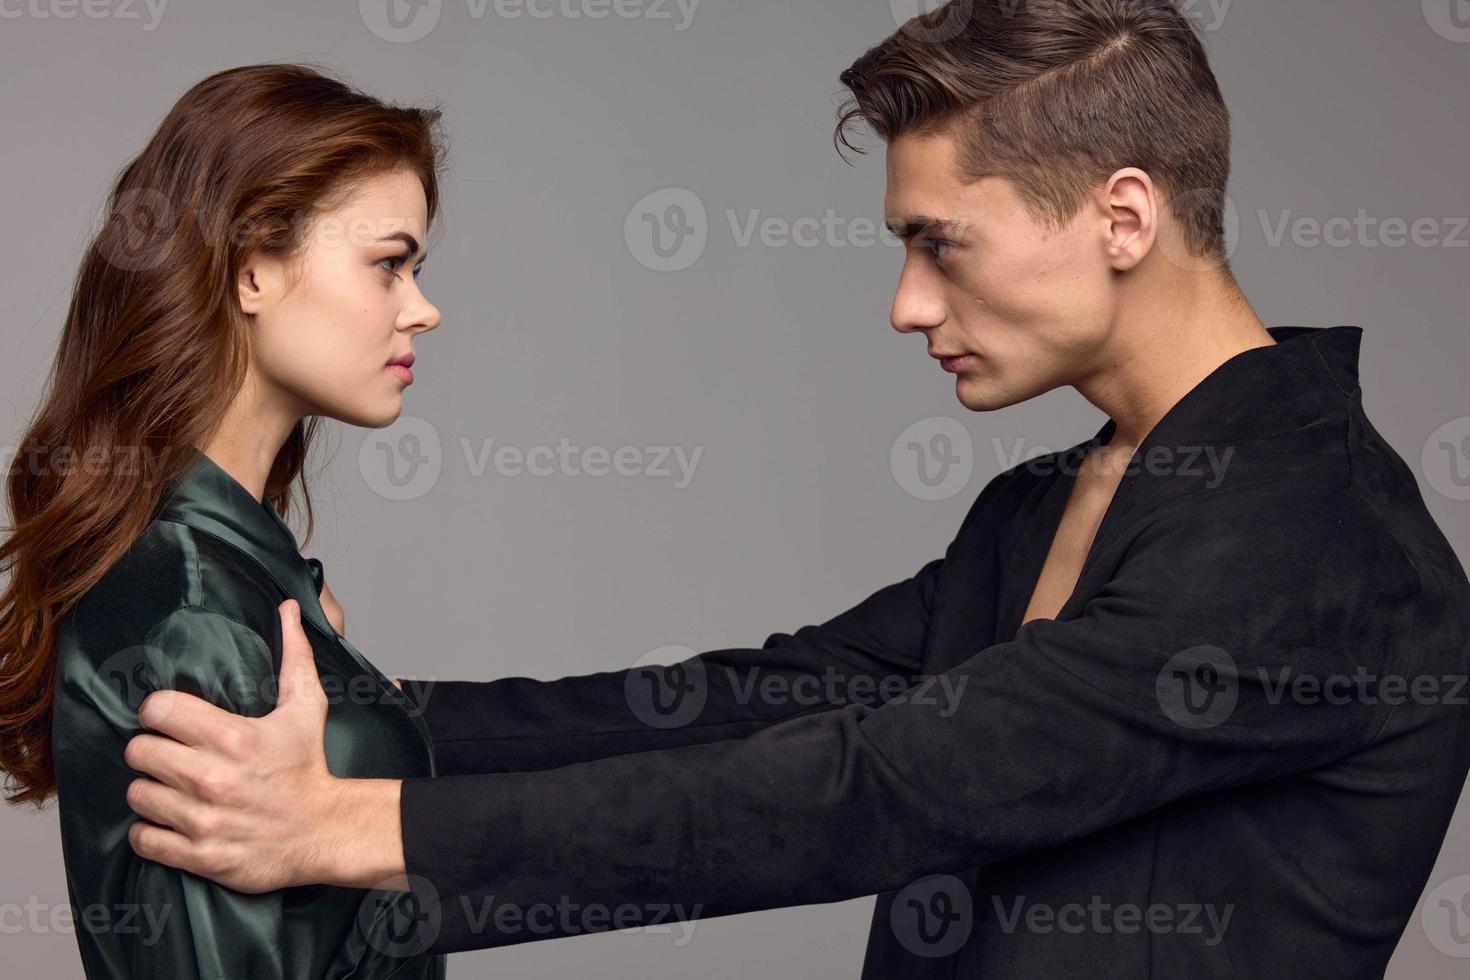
(953, 363)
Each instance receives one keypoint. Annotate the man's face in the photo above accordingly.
(1029, 309)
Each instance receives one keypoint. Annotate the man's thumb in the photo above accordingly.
(299, 681)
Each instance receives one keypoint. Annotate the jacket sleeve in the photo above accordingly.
(518, 724)
(1163, 685)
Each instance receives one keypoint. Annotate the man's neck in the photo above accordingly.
(1160, 350)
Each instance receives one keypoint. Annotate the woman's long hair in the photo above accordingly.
(155, 345)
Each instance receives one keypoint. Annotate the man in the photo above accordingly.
(1165, 711)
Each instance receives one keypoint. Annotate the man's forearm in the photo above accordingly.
(362, 843)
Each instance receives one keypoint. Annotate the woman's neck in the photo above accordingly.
(250, 436)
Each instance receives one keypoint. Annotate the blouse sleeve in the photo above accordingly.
(205, 931)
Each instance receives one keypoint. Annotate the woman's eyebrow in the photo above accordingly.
(407, 239)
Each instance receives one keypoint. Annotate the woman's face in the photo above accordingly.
(325, 330)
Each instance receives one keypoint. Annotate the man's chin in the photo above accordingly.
(978, 396)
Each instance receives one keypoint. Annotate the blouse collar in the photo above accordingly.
(207, 498)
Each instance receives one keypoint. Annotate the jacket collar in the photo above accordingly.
(1261, 413)
(207, 498)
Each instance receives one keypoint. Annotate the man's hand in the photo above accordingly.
(250, 802)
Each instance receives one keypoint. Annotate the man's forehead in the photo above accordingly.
(925, 192)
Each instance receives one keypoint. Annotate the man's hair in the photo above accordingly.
(1056, 96)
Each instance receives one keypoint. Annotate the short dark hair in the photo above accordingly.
(1056, 96)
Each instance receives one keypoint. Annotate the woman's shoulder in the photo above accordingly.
(173, 573)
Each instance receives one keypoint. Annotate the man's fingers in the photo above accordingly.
(300, 684)
(162, 805)
(167, 761)
(183, 716)
(155, 843)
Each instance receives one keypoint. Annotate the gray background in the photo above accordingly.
(774, 360)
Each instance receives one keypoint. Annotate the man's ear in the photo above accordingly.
(1130, 206)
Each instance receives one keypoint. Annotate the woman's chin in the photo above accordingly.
(377, 416)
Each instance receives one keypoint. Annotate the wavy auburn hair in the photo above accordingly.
(155, 345)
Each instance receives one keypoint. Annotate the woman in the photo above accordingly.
(256, 269)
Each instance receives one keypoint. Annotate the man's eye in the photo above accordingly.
(940, 248)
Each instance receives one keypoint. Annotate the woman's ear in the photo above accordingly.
(259, 282)
(249, 287)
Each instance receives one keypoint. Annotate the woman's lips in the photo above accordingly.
(402, 373)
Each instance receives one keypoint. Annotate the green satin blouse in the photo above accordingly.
(192, 607)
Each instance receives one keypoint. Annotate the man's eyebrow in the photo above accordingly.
(919, 224)
(407, 239)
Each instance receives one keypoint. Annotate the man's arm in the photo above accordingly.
(1073, 726)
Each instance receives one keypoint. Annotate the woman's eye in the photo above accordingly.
(394, 262)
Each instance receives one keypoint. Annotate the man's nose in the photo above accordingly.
(916, 305)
